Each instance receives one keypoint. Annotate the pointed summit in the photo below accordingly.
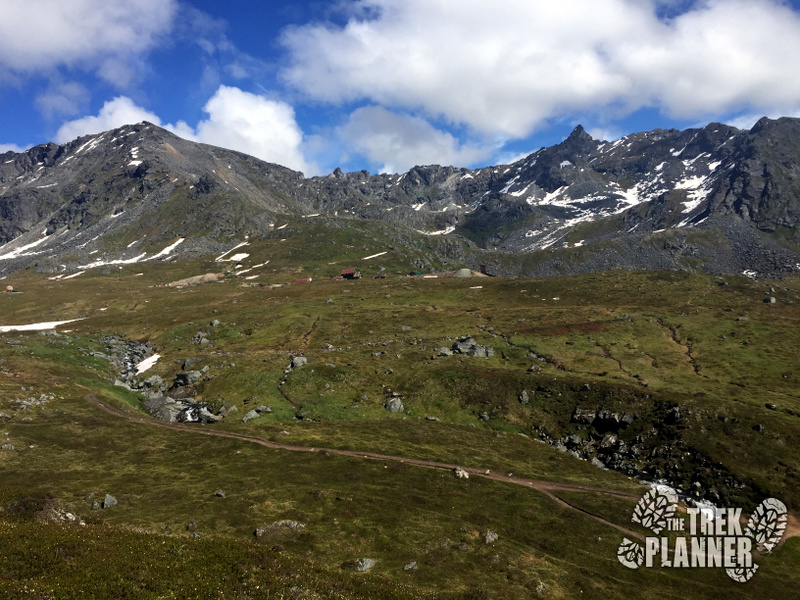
(579, 133)
(579, 142)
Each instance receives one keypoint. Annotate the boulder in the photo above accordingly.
(412, 566)
(299, 361)
(609, 441)
(226, 410)
(523, 397)
(468, 346)
(608, 420)
(574, 441)
(584, 416)
(187, 378)
(394, 405)
(153, 382)
(109, 501)
(364, 564)
(163, 408)
(280, 526)
(491, 537)
(253, 414)
(460, 473)
(263, 409)
(206, 416)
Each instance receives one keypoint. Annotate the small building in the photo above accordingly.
(351, 274)
(380, 276)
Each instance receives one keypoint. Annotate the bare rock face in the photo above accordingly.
(733, 187)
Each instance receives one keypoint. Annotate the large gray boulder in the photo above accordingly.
(468, 346)
(163, 408)
(253, 414)
(364, 564)
(187, 378)
(394, 405)
(460, 473)
(154, 382)
(299, 361)
(206, 416)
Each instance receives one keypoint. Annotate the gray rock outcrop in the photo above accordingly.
(469, 347)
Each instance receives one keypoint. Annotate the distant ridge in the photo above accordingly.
(716, 199)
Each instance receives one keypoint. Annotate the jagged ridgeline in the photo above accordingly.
(716, 199)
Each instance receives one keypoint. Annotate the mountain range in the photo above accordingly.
(716, 199)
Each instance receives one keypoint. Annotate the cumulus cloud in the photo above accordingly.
(108, 36)
(237, 120)
(256, 125)
(507, 70)
(115, 113)
(398, 142)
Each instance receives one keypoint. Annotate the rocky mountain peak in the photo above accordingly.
(72, 200)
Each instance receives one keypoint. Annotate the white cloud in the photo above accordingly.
(255, 125)
(104, 35)
(605, 134)
(507, 69)
(237, 120)
(65, 99)
(11, 148)
(399, 142)
(748, 120)
(115, 113)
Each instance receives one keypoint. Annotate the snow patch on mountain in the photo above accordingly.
(23, 250)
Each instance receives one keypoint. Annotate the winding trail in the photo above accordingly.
(548, 488)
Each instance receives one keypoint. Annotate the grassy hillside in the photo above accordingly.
(637, 343)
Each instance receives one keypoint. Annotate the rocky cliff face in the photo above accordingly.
(716, 198)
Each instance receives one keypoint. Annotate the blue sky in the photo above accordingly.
(384, 85)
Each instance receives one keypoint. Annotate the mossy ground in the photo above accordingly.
(677, 333)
